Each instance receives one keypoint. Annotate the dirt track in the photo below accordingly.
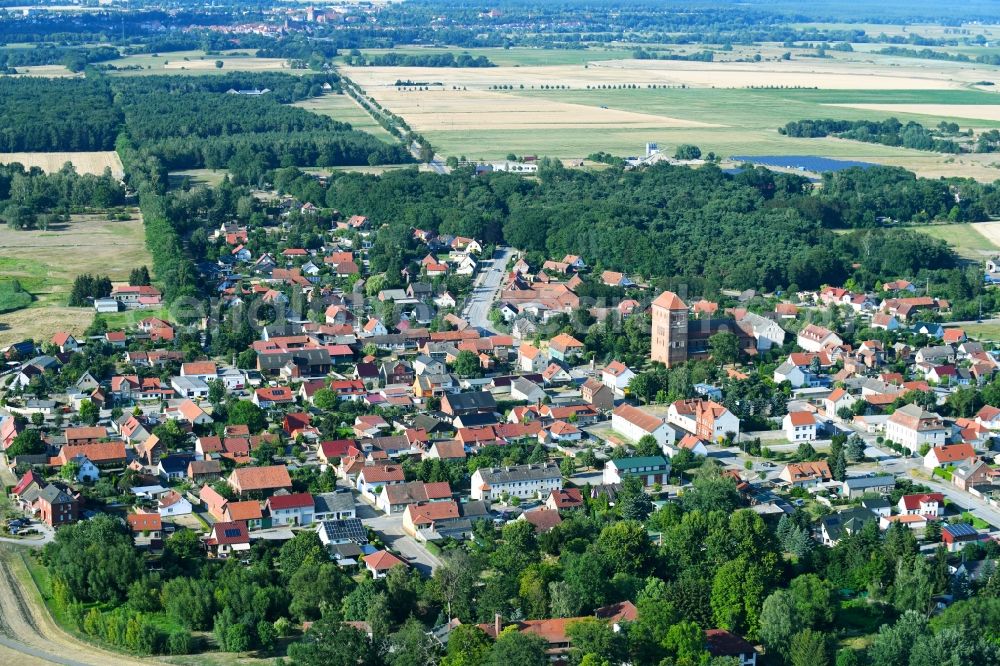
(29, 636)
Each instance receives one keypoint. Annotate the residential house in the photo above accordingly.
(290, 509)
(815, 338)
(372, 478)
(957, 535)
(596, 393)
(530, 358)
(333, 506)
(57, 506)
(724, 644)
(172, 503)
(799, 426)
(263, 479)
(148, 525)
(616, 376)
(911, 426)
(949, 456)
(564, 500)
(564, 347)
(635, 423)
(228, 538)
(859, 486)
(838, 525)
(928, 505)
(381, 562)
(706, 419)
(395, 497)
(806, 474)
(523, 481)
(651, 470)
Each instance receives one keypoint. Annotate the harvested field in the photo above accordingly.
(989, 112)
(241, 64)
(454, 110)
(41, 323)
(989, 230)
(86, 162)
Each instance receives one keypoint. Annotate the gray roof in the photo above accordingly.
(500, 475)
(478, 400)
(857, 482)
(53, 494)
(333, 502)
(850, 521)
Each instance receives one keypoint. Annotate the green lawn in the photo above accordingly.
(968, 242)
(344, 109)
(987, 332)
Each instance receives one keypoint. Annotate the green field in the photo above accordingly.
(516, 57)
(987, 331)
(346, 110)
(748, 119)
(968, 242)
(199, 63)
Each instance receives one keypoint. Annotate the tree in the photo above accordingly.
(328, 642)
(687, 642)
(411, 645)
(28, 442)
(725, 347)
(838, 466)
(567, 466)
(468, 645)
(95, 558)
(325, 399)
(633, 502)
(313, 586)
(648, 446)
(893, 643)
(591, 636)
(244, 412)
(813, 600)
(514, 647)
(89, 412)
(809, 648)
(467, 364)
(686, 151)
(625, 546)
(455, 579)
(855, 448)
(778, 621)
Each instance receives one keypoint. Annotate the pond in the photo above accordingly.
(803, 162)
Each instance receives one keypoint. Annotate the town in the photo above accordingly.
(399, 428)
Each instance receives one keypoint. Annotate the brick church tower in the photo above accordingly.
(670, 330)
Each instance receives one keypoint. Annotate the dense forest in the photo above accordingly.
(198, 124)
(74, 58)
(57, 115)
(754, 229)
(889, 132)
(32, 198)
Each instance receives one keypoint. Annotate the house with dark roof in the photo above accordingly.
(838, 525)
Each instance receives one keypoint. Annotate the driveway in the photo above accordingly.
(390, 530)
(45, 535)
(485, 289)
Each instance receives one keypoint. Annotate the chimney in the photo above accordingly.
(497, 624)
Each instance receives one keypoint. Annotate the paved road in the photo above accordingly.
(436, 163)
(390, 530)
(485, 289)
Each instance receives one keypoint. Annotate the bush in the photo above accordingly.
(180, 642)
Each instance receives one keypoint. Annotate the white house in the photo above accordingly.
(949, 456)
(911, 426)
(766, 331)
(799, 426)
(635, 424)
(530, 358)
(928, 505)
(189, 387)
(290, 509)
(648, 469)
(524, 481)
(815, 338)
(88, 471)
(837, 400)
(172, 503)
(707, 419)
(616, 375)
